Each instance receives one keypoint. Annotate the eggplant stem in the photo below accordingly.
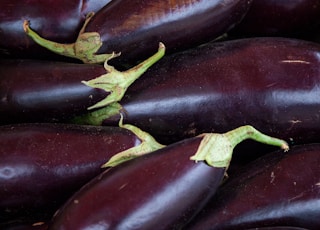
(117, 82)
(148, 144)
(96, 117)
(217, 149)
(84, 48)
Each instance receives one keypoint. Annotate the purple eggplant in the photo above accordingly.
(160, 190)
(275, 190)
(280, 18)
(270, 83)
(59, 20)
(42, 164)
(34, 91)
(135, 27)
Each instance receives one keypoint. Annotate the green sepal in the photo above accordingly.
(217, 149)
(148, 145)
(85, 47)
(96, 117)
(116, 82)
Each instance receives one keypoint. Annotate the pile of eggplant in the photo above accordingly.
(135, 114)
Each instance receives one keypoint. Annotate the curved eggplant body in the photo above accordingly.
(41, 165)
(280, 18)
(270, 83)
(34, 91)
(59, 20)
(135, 27)
(275, 190)
(161, 190)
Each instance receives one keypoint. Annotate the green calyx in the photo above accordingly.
(117, 82)
(148, 144)
(84, 48)
(217, 149)
(96, 117)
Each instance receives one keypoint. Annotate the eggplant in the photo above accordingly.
(275, 190)
(42, 164)
(50, 91)
(295, 18)
(137, 31)
(58, 20)
(163, 189)
(270, 83)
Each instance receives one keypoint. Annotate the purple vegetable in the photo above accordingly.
(160, 190)
(41, 165)
(275, 190)
(135, 27)
(270, 83)
(34, 91)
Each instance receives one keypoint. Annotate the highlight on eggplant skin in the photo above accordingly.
(278, 189)
(41, 164)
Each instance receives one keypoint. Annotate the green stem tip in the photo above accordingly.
(148, 144)
(217, 149)
(85, 47)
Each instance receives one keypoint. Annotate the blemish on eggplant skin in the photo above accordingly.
(76, 201)
(272, 177)
(295, 121)
(122, 186)
(4, 99)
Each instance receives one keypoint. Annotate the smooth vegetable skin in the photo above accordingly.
(41, 165)
(160, 190)
(270, 83)
(59, 20)
(34, 91)
(135, 27)
(280, 18)
(276, 190)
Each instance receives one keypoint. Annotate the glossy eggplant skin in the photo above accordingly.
(178, 24)
(41, 165)
(275, 190)
(46, 91)
(161, 190)
(272, 84)
(14, 41)
(280, 18)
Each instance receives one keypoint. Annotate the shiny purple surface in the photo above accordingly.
(161, 190)
(135, 27)
(279, 189)
(41, 165)
(270, 83)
